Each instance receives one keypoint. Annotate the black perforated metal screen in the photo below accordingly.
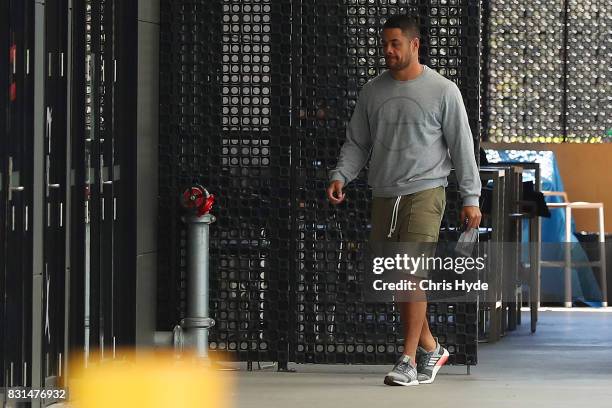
(549, 65)
(255, 97)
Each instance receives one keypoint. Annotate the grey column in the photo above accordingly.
(147, 170)
(38, 198)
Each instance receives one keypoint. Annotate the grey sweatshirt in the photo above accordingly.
(408, 128)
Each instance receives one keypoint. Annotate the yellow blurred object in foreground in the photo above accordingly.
(151, 382)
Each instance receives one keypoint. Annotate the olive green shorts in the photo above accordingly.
(415, 218)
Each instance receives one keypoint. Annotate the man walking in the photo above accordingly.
(411, 123)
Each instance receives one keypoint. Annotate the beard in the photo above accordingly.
(396, 64)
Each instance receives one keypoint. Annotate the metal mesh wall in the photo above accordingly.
(455, 324)
(329, 67)
(548, 71)
(331, 63)
(255, 99)
(589, 80)
(225, 123)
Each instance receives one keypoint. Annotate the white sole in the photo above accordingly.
(403, 384)
(410, 384)
(407, 384)
(437, 368)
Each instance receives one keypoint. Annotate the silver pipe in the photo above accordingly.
(163, 338)
(197, 323)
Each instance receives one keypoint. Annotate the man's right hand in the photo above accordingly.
(334, 192)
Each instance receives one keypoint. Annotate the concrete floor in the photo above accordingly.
(566, 363)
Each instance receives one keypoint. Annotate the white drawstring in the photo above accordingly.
(394, 216)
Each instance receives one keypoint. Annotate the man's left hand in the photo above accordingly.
(473, 216)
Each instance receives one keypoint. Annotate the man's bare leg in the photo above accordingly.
(412, 315)
(427, 340)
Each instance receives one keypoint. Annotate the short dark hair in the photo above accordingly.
(407, 23)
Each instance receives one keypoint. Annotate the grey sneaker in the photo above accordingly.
(429, 363)
(404, 372)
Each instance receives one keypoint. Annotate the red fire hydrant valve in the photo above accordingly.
(198, 199)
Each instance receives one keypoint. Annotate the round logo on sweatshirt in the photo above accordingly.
(397, 121)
